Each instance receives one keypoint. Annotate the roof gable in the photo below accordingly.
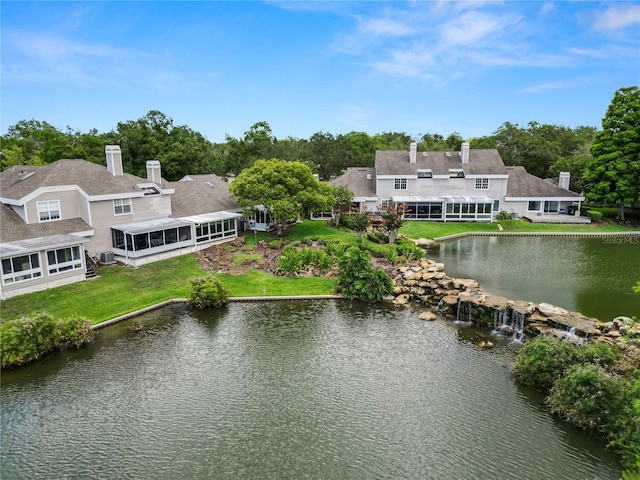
(20, 181)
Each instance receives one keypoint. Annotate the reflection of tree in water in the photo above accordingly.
(576, 273)
(610, 269)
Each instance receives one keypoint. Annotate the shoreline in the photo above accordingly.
(633, 233)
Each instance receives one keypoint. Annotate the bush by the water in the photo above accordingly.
(545, 359)
(359, 280)
(29, 338)
(502, 215)
(591, 386)
(207, 292)
(590, 398)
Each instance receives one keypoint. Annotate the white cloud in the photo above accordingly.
(543, 87)
(547, 7)
(384, 27)
(618, 17)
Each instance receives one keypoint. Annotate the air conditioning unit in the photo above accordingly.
(106, 257)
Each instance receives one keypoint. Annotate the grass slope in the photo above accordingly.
(121, 290)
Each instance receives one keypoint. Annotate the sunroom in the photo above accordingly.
(40, 263)
(447, 209)
(134, 240)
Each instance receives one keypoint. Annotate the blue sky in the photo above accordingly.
(416, 67)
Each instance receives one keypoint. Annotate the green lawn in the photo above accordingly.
(255, 283)
(440, 229)
(117, 291)
(121, 290)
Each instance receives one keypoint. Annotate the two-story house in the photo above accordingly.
(56, 218)
(470, 185)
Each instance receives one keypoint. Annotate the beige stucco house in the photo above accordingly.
(57, 220)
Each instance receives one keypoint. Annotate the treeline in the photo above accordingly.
(544, 150)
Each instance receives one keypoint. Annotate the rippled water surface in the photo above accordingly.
(322, 390)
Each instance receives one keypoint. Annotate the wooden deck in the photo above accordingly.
(559, 218)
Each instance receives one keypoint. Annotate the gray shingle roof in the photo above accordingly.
(202, 194)
(361, 181)
(94, 179)
(523, 184)
(13, 228)
(481, 162)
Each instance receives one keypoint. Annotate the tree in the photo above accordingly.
(359, 222)
(342, 203)
(613, 176)
(393, 219)
(285, 189)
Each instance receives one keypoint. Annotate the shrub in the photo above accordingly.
(28, 338)
(590, 398)
(276, 244)
(358, 280)
(325, 262)
(378, 237)
(207, 292)
(335, 248)
(595, 215)
(543, 360)
(409, 250)
(290, 261)
(502, 215)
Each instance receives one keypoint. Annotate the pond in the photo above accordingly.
(593, 276)
(326, 389)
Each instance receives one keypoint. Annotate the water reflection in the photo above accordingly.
(581, 274)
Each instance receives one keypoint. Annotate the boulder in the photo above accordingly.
(549, 310)
(465, 283)
(428, 316)
(402, 299)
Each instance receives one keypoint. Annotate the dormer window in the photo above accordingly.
(456, 173)
(425, 173)
(150, 191)
(48, 211)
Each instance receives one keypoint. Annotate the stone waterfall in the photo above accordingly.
(425, 282)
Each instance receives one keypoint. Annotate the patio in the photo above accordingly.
(557, 218)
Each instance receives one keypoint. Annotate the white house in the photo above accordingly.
(469, 185)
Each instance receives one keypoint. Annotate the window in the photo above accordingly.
(482, 184)
(219, 229)
(64, 259)
(400, 184)
(425, 173)
(49, 210)
(534, 206)
(19, 269)
(551, 206)
(384, 204)
(118, 238)
(121, 206)
(456, 173)
(496, 205)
